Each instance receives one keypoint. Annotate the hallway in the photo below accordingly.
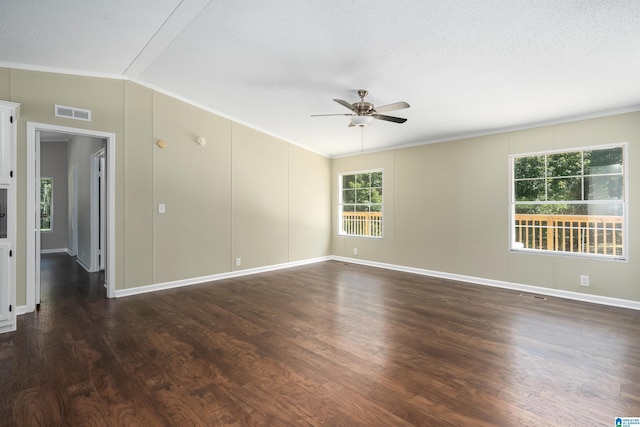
(63, 281)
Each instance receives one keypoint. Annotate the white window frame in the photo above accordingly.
(340, 204)
(515, 247)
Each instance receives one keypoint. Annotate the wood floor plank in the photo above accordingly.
(323, 344)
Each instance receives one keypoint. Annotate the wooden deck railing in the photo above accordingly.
(567, 233)
(362, 223)
(571, 233)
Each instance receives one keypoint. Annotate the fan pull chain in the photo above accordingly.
(362, 139)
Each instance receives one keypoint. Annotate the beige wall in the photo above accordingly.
(251, 196)
(446, 209)
(237, 196)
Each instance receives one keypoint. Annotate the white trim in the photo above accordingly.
(83, 265)
(214, 277)
(31, 244)
(11, 185)
(495, 131)
(595, 299)
(54, 251)
(94, 212)
(21, 309)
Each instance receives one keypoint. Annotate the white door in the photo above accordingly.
(8, 119)
(102, 241)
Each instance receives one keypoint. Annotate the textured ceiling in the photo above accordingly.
(466, 67)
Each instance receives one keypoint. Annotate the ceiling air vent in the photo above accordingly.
(72, 113)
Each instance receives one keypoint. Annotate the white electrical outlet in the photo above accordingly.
(584, 280)
(355, 251)
(238, 262)
(162, 208)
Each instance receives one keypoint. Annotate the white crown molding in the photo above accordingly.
(497, 131)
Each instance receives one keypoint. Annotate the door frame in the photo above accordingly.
(33, 205)
(97, 210)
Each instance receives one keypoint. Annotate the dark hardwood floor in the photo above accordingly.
(325, 344)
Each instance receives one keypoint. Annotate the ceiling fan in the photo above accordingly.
(363, 113)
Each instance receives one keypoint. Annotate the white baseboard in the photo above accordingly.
(595, 299)
(54, 251)
(21, 309)
(83, 265)
(214, 277)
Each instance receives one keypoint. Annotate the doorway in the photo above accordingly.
(105, 211)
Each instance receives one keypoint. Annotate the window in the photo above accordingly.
(572, 202)
(360, 204)
(46, 204)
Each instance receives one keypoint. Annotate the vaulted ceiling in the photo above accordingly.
(467, 67)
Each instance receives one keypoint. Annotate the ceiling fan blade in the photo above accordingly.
(389, 118)
(322, 115)
(351, 125)
(391, 107)
(346, 104)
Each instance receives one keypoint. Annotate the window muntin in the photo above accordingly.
(360, 204)
(570, 202)
(46, 204)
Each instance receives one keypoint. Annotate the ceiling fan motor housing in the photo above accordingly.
(363, 108)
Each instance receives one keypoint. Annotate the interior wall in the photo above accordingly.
(53, 164)
(193, 237)
(448, 207)
(243, 194)
(37, 93)
(213, 213)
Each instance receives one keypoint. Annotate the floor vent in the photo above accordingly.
(73, 113)
(538, 297)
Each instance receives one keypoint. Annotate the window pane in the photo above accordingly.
(362, 180)
(348, 196)
(376, 208)
(362, 195)
(564, 164)
(362, 208)
(603, 161)
(598, 209)
(348, 208)
(528, 167)
(564, 189)
(530, 190)
(376, 195)
(348, 181)
(376, 179)
(603, 187)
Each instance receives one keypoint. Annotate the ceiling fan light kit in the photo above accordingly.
(361, 120)
(363, 112)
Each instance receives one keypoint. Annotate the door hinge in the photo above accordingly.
(10, 119)
(11, 174)
(10, 253)
(10, 308)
